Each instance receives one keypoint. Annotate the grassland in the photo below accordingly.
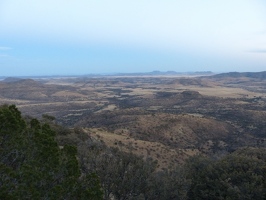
(166, 118)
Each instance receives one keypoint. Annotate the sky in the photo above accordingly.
(66, 37)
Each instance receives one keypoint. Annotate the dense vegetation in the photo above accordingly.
(41, 160)
(33, 166)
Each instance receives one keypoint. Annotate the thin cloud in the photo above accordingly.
(5, 48)
(257, 51)
(262, 32)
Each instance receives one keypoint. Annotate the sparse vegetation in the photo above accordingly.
(133, 138)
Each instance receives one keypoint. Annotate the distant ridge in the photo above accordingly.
(260, 75)
(164, 73)
(29, 82)
(11, 79)
(153, 73)
(19, 82)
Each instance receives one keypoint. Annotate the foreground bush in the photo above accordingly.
(33, 166)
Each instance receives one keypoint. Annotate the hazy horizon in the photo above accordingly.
(42, 38)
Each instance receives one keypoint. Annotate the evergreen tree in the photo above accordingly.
(240, 175)
(33, 166)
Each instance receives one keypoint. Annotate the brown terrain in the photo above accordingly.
(168, 118)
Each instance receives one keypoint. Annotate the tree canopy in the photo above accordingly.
(33, 166)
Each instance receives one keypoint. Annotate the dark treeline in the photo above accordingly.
(41, 160)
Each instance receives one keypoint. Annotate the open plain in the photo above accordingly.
(168, 118)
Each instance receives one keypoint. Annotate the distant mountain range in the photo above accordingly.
(161, 73)
(153, 73)
(260, 75)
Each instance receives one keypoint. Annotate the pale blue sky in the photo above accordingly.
(65, 37)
